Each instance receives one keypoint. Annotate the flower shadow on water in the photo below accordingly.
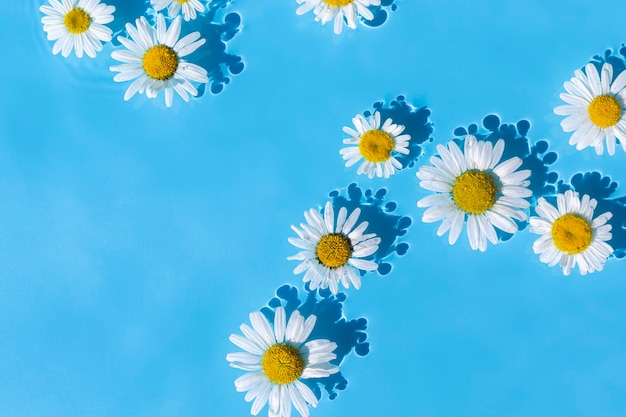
(381, 218)
(416, 123)
(349, 335)
(381, 13)
(617, 62)
(535, 157)
(602, 188)
(211, 56)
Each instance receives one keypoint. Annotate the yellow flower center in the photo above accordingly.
(605, 111)
(182, 1)
(571, 233)
(474, 192)
(338, 3)
(334, 250)
(282, 364)
(376, 145)
(77, 21)
(160, 62)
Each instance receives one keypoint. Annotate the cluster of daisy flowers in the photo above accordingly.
(152, 57)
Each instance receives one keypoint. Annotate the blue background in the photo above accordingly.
(134, 239)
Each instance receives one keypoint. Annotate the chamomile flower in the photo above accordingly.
(174, 7)
(570, 235)
(77, 25)
(595, 108)
(338, 10)
(333, 252)
(375, 144)
(154, 60)
(278, 359)
(476, 186)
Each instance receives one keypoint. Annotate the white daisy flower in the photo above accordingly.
(333, 253)
(570, 235)
(174, 7)
(327, 10)
(278, 359)
(154, 59)
(375, 144)
(77, 25)
(595, 108)
(475, 185)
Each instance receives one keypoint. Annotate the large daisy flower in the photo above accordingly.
(332, 253)
(374, 144)
(476, 186)
(327, 10)
(570, 235)
(595, 108)
(278, 359)
(174, 7)
(77, 25)
(154, 59)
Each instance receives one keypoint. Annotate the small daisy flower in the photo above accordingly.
(276, 360)
(77, 25)
(595, 108)
(570, 235)
(154, 60)
(374, 144)
(327, 10)
(333, 253)
(174, 7)
(476, 186)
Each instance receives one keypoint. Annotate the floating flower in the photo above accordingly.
(174, 7)
(570, 235)
(278, 359)
(375, 144)
(327, 10)
(154, 59)
(475, 185)
(77, 25)
(595, 108)
(331, 253)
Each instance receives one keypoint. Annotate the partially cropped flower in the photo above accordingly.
(153, 59)
(375, 145)
(77, 25)
(570, 235)
(333, 253)
(595, 109)
(175, 7)
(278, 359)
(338, 10)
(474, 186)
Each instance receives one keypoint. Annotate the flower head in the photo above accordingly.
(332, 253)
(77, 25)
(337, 10)
(570, 235)
(476, 186)
(595, 108)
(375, 144)
(154, 60)
(174, 7)
(277, 359)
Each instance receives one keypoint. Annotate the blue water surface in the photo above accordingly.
(134, 239)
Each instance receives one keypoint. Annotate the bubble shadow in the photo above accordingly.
(535, 157)
(381, 218)
(217, 32)
(416, 122)
(381, 13)
(602, 188)
(349, 335)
